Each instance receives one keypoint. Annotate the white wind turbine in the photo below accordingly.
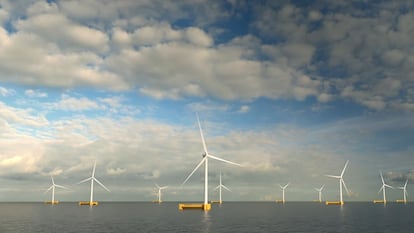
(319, 190)
(221, 185)
(53, 191)
(283, 191)
(92, 179)
(383, 188)
(404, 188)
(206, 156)
(159, 192)
(341, 182)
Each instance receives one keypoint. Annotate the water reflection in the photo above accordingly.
(206, 221)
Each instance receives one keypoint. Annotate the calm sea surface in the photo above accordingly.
(229, 217)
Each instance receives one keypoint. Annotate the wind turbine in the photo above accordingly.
(341, 182)
(404, 188)
(283, 191)
(206, 156)
(383, 189)
(319, 190)
(159, 192)
(92, 179)
(221, 185)
(53, 192)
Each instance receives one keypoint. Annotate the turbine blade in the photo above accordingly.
(286, 185)
(406, 182)
(82, 181)
(223, 160)
(188, 177)
(94, 168)
(157, 185)
(53, 182)
(103, 186)
(48, 189)
(163, 187)
(322, 187)
(382, 178)
(202, 136)
(226, 188)
(337, 177)
(343, 170)
(380, 189)
(389, 186)
(346, 188)
(60, 186)
(218, 186)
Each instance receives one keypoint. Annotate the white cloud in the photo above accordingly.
(6, 92)
(34, 93)
(68, 103)
(244, 109)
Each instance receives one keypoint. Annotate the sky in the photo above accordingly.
(289, 89)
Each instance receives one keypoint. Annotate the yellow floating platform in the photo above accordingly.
(52, 202)
(216, 202)
(317, 201)
(280, 201)
(379, 202)
(194, 206)
(156, 201)
(334, 203)
(88, 203)
(401, 201)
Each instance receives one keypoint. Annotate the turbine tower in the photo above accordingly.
(53, 192)
(319, 190)
(383, 188)
(283, 191)
(404, 188)
(221, 185)
(159, 192)
(92, 179)
(341, 182)
(206, 156)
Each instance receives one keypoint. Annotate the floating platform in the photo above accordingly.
(157, 202)
(52, 202)
(194, 206)
(88, 203)
(379, 202)
(334, 203)
(401, 201)
(280, 201)
(216, 202)
(317, 201)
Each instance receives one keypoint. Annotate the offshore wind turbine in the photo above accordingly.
(92, 179)
(53, 192)
(341, 182)
(283, 191)
(221, 185)
(319, 190)
(384, 200)
(404, 188)
(159, 192)
(206, 156)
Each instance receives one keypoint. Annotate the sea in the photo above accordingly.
(235, 217)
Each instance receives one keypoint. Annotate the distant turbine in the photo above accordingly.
(92, 179)
(319, 190)
(283, 191)
(404, 188)
(221, 185)
(206, 155)
(383, 188)
(53, 192)
(159, 192)
(341, 182)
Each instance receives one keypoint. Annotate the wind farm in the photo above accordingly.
(283, 193)
(384, 185)
(219, 187)
(93, 179)
(159, 200)
(405, 193)
(341, 182)
(53, 187)
(206, 206)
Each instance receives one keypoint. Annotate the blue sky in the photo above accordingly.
(290, 89)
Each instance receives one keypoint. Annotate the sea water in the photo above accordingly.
(229, 217)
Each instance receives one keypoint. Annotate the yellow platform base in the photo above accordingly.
(379, 202)
(401, 201)
(88, 203)
(334, 203)
(52, 202)
(280, 201)
(194, 206)
(317, 201)
(216, 202)
(156, 201)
